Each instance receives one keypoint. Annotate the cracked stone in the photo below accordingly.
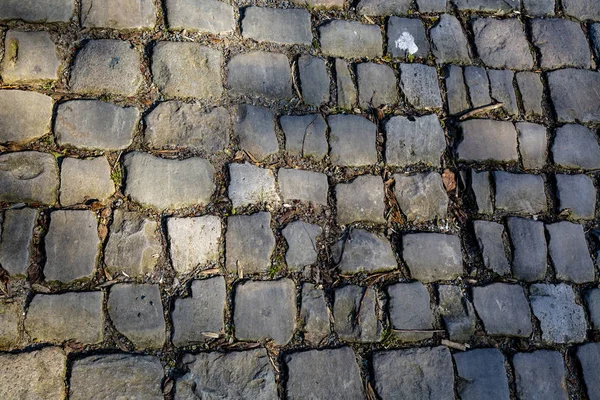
(479, 85)
(355, 311)
(575, 146)
(363, 251)
(421, 197)
(456, 91)
(502, 43)
(532, 92)
(489, 237)
(483, 375)
(194, 242)
(360, 200)
(457, 313)
(569, 252)
(259, 73)
(251, 185)
(504, 309)
(16, 237)
(352, 139)
(577, 194)
(314, 314)
(501, 82)
(448, 41)
(305, 135)
(24, 116)
(533, 144)
(419, 83)
(249, 243)
(287, 26)
(350, 39)
(306, 186)
(432, 256)
(528, 240)
(301, 239)
(118, 14)
(346, 91)
(204, 16)
(414, 140)
(85, 179)
(410, 310)
(376, 85)
(255, 129)
(520, 193)
(29, 57)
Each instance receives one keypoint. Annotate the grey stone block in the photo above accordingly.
(432, 256)
(502, 43)
(582, 9)
(562, 320)
(539, 8)
(486, 139)
(314, 314)
(533, 144)
(265, 24)
(589, 357)
(186, 182)
(10, 323)
(306, 186)
(376, 85)
(456, 91)
(421, 197)
(28, 176)
(520, 193)
(426, 6)
(573, 94)
(383, 7)
(255, 129)
(29, 57)
(569, 252)
(575, 146)
(495, 6)
(259, 73)
(118, 14)
(305, 135)
(480, 184)
(24, 116)
(577, 194)
(352, 140)
(532, 92)
(448, 41)
(457, 313)
(201, 314)
(71, 245)
(194, 242)
(594, 32)
(249, 185)
(360, 200)
(56, 318)
(419, 83)
(529, 249)
(257, 317)
(410, 309)
(501, 82)
(136, 311)
(313, 79)
(355, 314)
(426, 373)
(571, 51)
(242, 374)
(205, 16)
(540, 374)
(107, 67)
(406, 38)
(94, 124)
(301, 239)
(16, 235)
(483, 375)
(346, 91)
(350, 39)
(363, 251)
(489, 237)
(478, 84)
(249, 243)
(503, 309)
(414, 140)
(85, 179)
(38, 10)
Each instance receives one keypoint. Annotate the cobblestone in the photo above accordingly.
(478, 85)
(346, 91)
(592, 299)
(376, 85)
(187, 252)
(457, 312)
(414, 140)
(249, 243)
(24, 116)
(383, 7)
(577, 194)
(350, 39)
(363, 251)
(448, 41)
(37, 10)
(307, 186)
(528, 240)
(520, 193)
(533, 144)
(83, 180)
(573, 51)
(352, 140)
(503, 309)
(260, 74)
(573, 96)
(569, 253)
(432, 256)
(483, 374)
(532, 92)
(539, 8)
(456, 91)
(301, 239)
(480, 184)
(491, 243)
(314, 314)
(314, 80)
(540, 374)
(406, 38)
(486, 139)
(255, 129)
(212, 16)
(575, 146)
(264, 24)
(305, 135)
(589, 355)
(118, 14)
(29, 57)
(16, 237)
(360, 200)
(421, 197)
(501, 82)
(502, 43)
(355, 314)
(496, 6)
(30, 176)
(10, 321)
(251, 185)
(419, 83)
(582, 9)
(410, 310)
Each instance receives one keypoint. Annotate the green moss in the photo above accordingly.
(12, 52)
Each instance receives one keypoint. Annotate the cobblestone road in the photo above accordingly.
(318, 199)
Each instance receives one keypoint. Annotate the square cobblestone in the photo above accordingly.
(249, 243)
(576, 146)
(421, 197)
(419, 83)
(194, 242)
(363, 251)
(24, 116)
(306, 186)
(540, 374)
(37, 10)
(264, 24)
(29, 57)
(301, 239)
(589, 357)
(249, 185)
(569, 252)
(314, 80)
(529, 262)
(503, 309)
(410, 309)
(520, 193)
(572, 51)
(360, 200)
(483, 375)
(377, 85)
(118, 14)
(573, 95)
(259, 73)
(255, 129)
(205, 16)
(502, 43)
(350, 39)
(29, 176)
(577, 194)
(406, 38)
(448, 41)
(352, 140)
(432, 256)
(314, 314)
(414, 140)
(82, 180)
(486, 139)
(305, 135)
(356, 314)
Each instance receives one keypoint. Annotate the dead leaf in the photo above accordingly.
(213, 335)
(102, 232)
(210, 271)
(449, 180)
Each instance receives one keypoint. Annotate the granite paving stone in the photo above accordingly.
(136, 311)
(383, 7)
(503, 309)
(532, 92)
(480, 184)
(29, 57)
(540, 374)
(502, 43)
(352, 140)
(456, 91)
(529, 255)
(576, 146)
(314, 80)
(589, 356)
(577, 194)
(421, 197)
(539, 8)
(257, 317)
(414, 140)
(569, 252)
(363, 251)
(432, 256)
(212, 16)
(448, 41)
(16, 238)
(491, 243)
(301, 238)
(592, 300)
(264, 24)
(533, 144)
(503, 91)
(496, 6)
(251, 185)
(571, 51)
(582, 9)
(314, 314)
(478, 85)
(201, 314)
(346, 90)
(82, 180)
(10, 322)
(249, 243)
(194, 242)
(355, 314)
(487, 140)
(377, 85)
(406, 38)
(118, 14)
(419, 83)
(482, 374)
(306, 186)
(426, 6)
(255, 130)
(350, 39)
(24, 116)
(258, 73)
(360, 200)
(29, 176)
(457, 313)
(594, 32)
(573, 95)
(520, 193)
(410, 309)
(38, 10)
(305, 135)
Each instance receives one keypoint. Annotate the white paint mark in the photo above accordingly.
(406, 42)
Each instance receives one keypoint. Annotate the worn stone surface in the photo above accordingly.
(569, 252)
(421, 197)
(56, 318)
(573, 95)
(363, 251)
(350, 39)
(212, 16)
(93, 124)
(419, 83)
(571, 51)
(259, 73)
(333, 374)
(314, 80)
(533, 144)
(10, 322)
(306, 186)
(346, 91)
(448, 41)
(582, 9)
(561, 319)
(483, 374)
(540, 374)
(528, 240)
(410, 310)
(486, 139)
(360, 200)
(187, 70)
(194, 242)
(29, 57)
(532, 92)
(406, 38)
(16, 234)
(106, 67)
(431, 5)
(432, 256)
(24, 116)
(383, 7)
(71, 245)
(502, 43)
(414, 140)
(501, 83)
(376, 85)
(85, 179)
(592, 299)
(520, 193)
(301, 239)
(314, 314)
(489, 237)
(37, 10)
(577, 194)
(457, 312)
(480, 184)
(182, 182)
(30, 177)
(202, 313)
(255, 129)
(594, 32)
(503, 309)
(352, 140)
(264, 24)
(257, 317)
(305, 135)
(539, 8)
(39, 374)
(478, 84)
(249, 243)
(118, 14)
(575, 146)
(244, 374)
(251, 185)
(348, 323)
(133, 245)
(496, 6)
(589, 357)
(456, 91)
(136, 311)
(425, 373)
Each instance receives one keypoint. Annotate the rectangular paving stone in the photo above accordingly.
(361, 250)
(539, 8)
(502, 43)
(589, 357)
(421, 197)
(257, 317)
(383, 7)
(255, 129)
(456, 91)
(576, 146)
(426, 6)
(478, 85)
(301, 239)
(483, 374)
(39, 374)
(504, 309)
(259, 73)
(346, 91)
(348, 323)
(432, 256)
(491, 243)
(134, 377)
(572, 51)
(82, 180)
(193, 242)
(71, 245)
(532, 92)
(24, 116)
(574, 96)
(183, 182)
(56, 318)
(10, 322)
(501, 83)
(486, 139)
(94, 124)
(118, 14)
(376, 85)
(419, 83)
(305, 135)
(480, 184)
(237, 374)
(592, 300)
(569, 252)
(352, 140)
(410, 309)
(106, 67)
(577, 194)
(520, 193)
(582, 9)
(264, 24)
(29, 57)
(314, 80)
(136, 311)
(533, 144)
(28, 176)
(457, 313)
(540, 374)
(363, 199)
(249, 185)
(16, 236)
(448, 41)
(594, 32)
(187, 70)
(529, 262)
(414, 140)
(406, 38)
(201, 314)
(37, 10)
(249, 243)
(350, 39)
(306, 186)
(314, 314)
(202, 15)
(497, 6)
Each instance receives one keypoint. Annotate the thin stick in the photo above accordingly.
(480, 110)
(454, 345)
